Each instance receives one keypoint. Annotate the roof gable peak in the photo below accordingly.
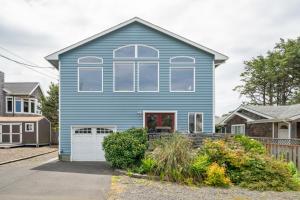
(219, 58)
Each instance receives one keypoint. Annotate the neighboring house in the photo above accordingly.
(135, 74)
(21, 122)
(264, 121)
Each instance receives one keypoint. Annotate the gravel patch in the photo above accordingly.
(21, 152)
(126, 188)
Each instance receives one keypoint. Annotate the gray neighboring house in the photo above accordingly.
(263, 121)
(21, 122)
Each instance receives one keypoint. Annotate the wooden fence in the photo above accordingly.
(287, 149)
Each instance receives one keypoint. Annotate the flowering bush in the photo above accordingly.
(216, 176)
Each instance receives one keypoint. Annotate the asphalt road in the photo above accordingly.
(44, 177)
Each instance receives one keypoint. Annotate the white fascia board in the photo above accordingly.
(218, 56)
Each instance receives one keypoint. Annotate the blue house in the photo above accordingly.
(135, 74)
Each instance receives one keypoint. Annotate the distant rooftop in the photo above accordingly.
(20, 88)
(279, 112)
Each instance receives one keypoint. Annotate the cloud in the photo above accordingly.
(239, 29)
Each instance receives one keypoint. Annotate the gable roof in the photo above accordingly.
(20, 88)
(219, 58)
(287, 112)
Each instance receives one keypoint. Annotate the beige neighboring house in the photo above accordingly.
(21, 122)
(263, 121)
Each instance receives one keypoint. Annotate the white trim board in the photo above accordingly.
(53, 58)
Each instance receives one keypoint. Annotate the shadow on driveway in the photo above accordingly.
(100, 168)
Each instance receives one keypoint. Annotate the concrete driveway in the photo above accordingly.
(57, 180)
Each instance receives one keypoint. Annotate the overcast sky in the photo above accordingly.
(239, 29)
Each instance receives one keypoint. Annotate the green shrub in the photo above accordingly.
(173, 157)
(126, 149)
(247, 164)
(148, 165)
(199, 166)
(250, 144)
(216, 176)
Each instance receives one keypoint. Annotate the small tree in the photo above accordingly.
(49, 106)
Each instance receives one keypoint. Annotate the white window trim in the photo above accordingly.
(161, 111)
(135, 52)
(6, 105)
(83, 63)
(182, 62)
(123, 62)
(84, 91)
(138, 76)
(195, 113)
(32, 127)
(170, 79)
(236, 125)
(22, 106)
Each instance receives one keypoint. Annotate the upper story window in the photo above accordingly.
(90, 60)
(148, 77)
(9, 104)
(22, 105)
(90, 79)
(124, 76)
(182, 74)
(136, 51)
(124, 71)
(182, 59)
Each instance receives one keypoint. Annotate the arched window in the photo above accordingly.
(90, 60)
(138, 57)
(136, 51)
(182, 59)
(125, 52)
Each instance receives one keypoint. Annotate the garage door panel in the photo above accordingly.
(87, 144)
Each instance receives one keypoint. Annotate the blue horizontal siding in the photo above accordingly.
(124, 109)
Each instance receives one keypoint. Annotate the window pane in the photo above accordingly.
(147, 52)
(90, 60)
(182, 79)
(9, 105)
(125, 52)
(90, 79)
(148, 76)
(191, 122)
(124, 76)
(182, 59)
(18, 105)
(26, 105)
(32, 107)
(198, 122)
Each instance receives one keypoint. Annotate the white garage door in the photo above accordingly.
(87, 143)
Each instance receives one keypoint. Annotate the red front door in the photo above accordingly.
(160, 122)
